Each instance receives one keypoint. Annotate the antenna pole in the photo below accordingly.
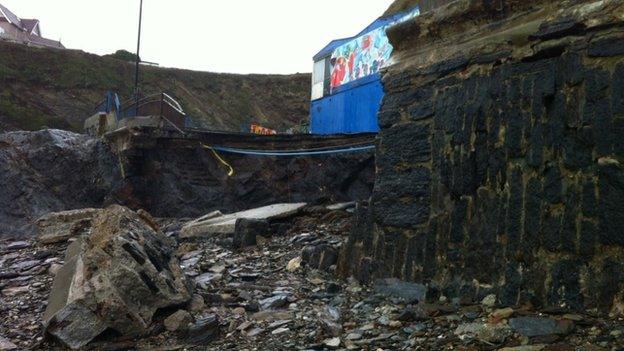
(138, 60)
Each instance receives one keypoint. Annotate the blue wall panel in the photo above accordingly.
(349, 110)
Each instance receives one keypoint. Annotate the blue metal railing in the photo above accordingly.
(162, 105)
(109, 104)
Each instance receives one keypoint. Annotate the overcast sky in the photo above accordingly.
(238, 36)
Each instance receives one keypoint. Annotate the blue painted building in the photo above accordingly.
(346, 83)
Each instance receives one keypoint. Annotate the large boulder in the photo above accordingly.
(114, 279)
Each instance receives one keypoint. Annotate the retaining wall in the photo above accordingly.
(499, 167)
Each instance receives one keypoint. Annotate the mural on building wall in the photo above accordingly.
(364, 55)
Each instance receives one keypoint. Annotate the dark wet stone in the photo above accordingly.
(333, 288)
(246, 230)
(273, 302)
(409, 292)
(611, 186)
(606, 46)
(413, 314)
(319, 256)
(203, 330)
(540, 326)
(560, 28)
(8, 275)
(17, 245)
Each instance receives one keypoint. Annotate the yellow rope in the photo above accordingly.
(223, 162)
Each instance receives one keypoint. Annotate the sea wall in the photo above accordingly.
(180, 176)
(500, 165)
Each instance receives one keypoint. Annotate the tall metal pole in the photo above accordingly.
(138, 60)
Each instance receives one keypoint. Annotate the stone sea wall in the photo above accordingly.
(500, 165)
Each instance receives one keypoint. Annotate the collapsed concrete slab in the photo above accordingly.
(114, 279)
(59, 226)
(226, 224)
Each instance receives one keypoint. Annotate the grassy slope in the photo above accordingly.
(41, 87)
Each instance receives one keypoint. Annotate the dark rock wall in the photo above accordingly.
(188, 182)
(500, 161)
(54, 170)
(48, 171)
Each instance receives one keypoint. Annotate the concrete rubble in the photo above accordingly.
(114, 279)
(215, 223)
(265, 297)
(60, 226)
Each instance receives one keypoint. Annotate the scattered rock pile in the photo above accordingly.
(114, 279)
(264, 297)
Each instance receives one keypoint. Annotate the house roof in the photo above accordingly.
(29, 24)
(10, 16)
(37, 40)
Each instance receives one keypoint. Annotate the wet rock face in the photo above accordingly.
(187, 182)
(51, 170)
(500, 163)
(116, 278)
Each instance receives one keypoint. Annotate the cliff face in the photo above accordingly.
(405, 5)
(500, 161)
(59, 89)
(53, 170)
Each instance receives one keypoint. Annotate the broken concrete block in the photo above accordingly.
(245, 231)
(209, 225)
(116, 279)
(59, 226)
(341, 206)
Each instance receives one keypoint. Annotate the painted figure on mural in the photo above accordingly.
(360, 58)
(363, 56)
(339, 71)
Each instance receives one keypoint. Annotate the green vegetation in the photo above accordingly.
(40, 87)
(124, 56)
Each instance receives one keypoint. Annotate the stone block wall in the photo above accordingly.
(500, 165)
